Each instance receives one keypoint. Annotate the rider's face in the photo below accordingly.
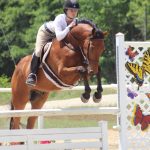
(72, 13)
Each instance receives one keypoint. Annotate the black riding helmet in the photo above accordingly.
(71, 4)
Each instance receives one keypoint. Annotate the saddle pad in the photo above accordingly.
(49, 73)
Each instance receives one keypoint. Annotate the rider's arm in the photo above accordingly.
(60, 33)
(61, 28)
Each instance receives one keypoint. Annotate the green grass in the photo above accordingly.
(79, 121)
(5, 98)
(61, 95)
(4, 123)
(68, 121)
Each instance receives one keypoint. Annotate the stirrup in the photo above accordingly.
(32, 79)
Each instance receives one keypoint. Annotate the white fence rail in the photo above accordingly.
(59, 112)
(74, 88)
(65, 138)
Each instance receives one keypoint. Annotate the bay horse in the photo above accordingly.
(74, 57)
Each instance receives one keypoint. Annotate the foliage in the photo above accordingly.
(139, 14)
(20, 20)
(4, 81)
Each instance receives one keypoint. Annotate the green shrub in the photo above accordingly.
(4, 81)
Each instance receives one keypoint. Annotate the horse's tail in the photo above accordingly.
(11, 119)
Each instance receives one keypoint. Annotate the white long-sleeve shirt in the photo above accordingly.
(59, 26)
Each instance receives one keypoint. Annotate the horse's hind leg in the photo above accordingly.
(15, 121)
(36, 103)
(20, 98)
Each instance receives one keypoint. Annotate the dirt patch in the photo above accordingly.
(113, 139)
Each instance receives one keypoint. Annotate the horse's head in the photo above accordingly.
(90, 40)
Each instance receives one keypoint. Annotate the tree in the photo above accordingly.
(139, 16)
(21, 19)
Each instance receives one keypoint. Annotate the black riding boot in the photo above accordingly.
(32, 77)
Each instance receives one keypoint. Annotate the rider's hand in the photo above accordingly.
(72, 24)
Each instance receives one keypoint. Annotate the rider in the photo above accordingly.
(58, 28)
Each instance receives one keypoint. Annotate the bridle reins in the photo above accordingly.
(87, 58)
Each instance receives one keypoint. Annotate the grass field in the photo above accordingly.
(67, 121)
(79, 121)
(58, 95)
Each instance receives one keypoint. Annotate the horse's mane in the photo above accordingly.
(89, 22)
(86, 21)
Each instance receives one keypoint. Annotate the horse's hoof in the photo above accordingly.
(85, 97)
(97, 97)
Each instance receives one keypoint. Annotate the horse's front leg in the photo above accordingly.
(86, 95)
(73, 71)
(98, 95)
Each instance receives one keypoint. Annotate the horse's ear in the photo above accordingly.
(105, 33)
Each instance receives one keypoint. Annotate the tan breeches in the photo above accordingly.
(42, 38)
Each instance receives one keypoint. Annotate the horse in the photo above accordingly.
(75, 57)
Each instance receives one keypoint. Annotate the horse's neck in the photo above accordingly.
(73, 41)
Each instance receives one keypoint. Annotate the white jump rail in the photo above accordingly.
(59, 112)
(93, 87)
(65, 138)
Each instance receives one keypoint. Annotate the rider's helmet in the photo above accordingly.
(71, 4)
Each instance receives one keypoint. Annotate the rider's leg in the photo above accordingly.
(42, 38)
(32, 77)
(35, 62)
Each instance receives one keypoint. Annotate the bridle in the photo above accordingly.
(87, 58)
